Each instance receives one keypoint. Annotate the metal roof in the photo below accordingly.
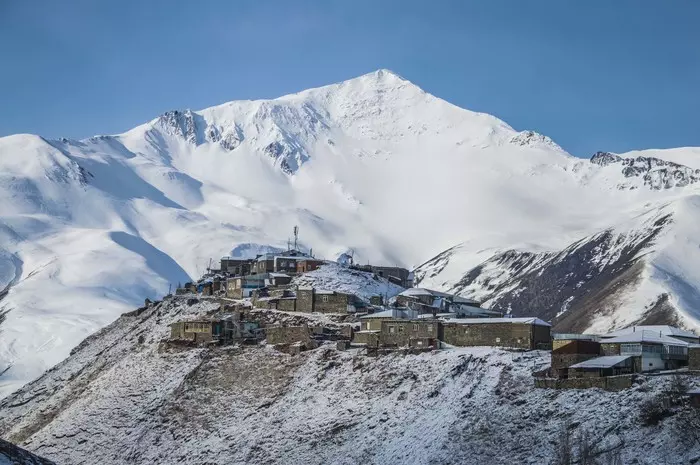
(523, 320)
(664, 330)
(651, 337)
(607, 361)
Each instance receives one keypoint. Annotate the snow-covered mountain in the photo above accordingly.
(89, 228)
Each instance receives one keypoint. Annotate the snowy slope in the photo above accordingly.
(376, 165)
(332, 276)
(124, 398)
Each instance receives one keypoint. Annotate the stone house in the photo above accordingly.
(242, 286)
(279, 262)
(650, 350)
(373, 321)
(278, 279)
(417, 334)
(399, 276)
(306, 265)
(310, 300)
(432, 302)
(200, 330)
(598, 367)
(522, 333)
(236, 266)
(292, 339)
(662, 330)
(568, 352)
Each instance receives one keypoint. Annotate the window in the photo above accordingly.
(324, 298)
(430, 328)
(392, 329)
(415, 326)
(401, 328)
(498, 339)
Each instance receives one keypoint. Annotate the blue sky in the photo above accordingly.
(595, 75)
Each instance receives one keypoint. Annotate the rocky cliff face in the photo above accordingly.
(655, 173)
(13, 455)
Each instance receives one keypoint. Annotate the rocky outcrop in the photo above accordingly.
(11, 454)
(656, 174)
(181, 124)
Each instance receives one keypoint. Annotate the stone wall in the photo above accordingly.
(564, 361)
(542, 337)
(610, 383)
(287, 334)
(336, 302)
(232, 291)
(516, 335)
(287, 305)
(371, 338)
(694, 358)
(408, 333)
(305, 300)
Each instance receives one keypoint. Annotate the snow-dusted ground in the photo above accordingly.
(90, 228)
(332, 276)
(123, 398)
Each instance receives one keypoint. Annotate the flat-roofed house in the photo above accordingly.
(242, 286)
(524, 333)
(308, 264)
(200, 330)
(236, 266)
(432, 302)
(371, 324)
(568, 352)
(651, 350)
(663, 330)
(416, 334)
(609, 365)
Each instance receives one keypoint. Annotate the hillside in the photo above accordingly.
(123, 397)
(373, 165)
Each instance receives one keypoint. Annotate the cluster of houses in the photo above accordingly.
(636, 349)
(418, 319)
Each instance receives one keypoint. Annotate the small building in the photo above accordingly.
(415, 334)
(373, 321)
(394, 274)
(311, 300)
(568, 352)
(242, 286)
(290, 339)
(307, 265)
(236, 266)
(433, 302)
(598, 367)
(278, 279)
(523, 333)
(662, 330)
(650, 349)
(279, 262)
(200, 330)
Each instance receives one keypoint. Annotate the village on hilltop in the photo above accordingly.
(275, 298)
